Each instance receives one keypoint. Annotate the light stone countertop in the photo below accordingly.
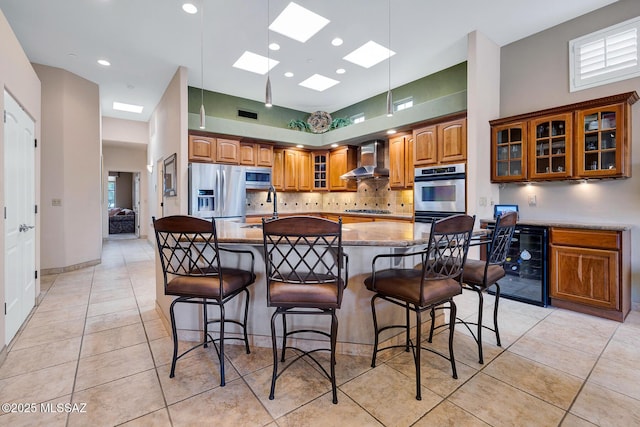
(379, 233)
(362, 214)
(568, 224)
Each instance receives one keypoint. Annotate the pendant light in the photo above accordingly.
(267, 96)
(203, 123)
(389, 95)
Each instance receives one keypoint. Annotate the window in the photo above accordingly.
(111, 192)
(606, 56)
(358, 118)
(403, 104)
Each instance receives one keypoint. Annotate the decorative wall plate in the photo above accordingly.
(319, 121)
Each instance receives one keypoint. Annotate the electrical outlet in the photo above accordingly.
(532, 200)
(483, 201)
(56, 202)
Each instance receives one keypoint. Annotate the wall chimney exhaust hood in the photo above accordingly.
(371, 162)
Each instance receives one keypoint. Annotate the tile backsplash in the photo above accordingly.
(371, 194)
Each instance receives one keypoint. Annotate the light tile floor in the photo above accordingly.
(96, 339)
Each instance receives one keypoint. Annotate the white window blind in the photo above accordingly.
(605, 56)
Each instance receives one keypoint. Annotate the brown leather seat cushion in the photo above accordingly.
(473, 273)
(209, 286)
(404, 284)
(317, 295)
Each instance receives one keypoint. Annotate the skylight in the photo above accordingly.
(319, 82)
(130, 108)
(298, 23)
(369, 54)
(255, 63)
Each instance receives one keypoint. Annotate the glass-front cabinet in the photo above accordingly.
(320, 170)
(599, 150)
(550, 150)
(589, 139)
(508, 153)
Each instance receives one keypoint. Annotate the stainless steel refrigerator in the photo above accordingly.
(217, 191)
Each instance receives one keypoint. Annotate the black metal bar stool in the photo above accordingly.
(192, 271)
(305, 276)
(436, 282)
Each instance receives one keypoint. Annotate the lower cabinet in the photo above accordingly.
(591, 271)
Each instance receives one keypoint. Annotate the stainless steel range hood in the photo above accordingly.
(371, 162)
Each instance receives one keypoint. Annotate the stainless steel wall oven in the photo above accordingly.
(439, 191)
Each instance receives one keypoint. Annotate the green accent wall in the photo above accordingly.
(447, 82)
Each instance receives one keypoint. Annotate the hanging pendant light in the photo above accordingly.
(389, 95)
(267, 95)
(203, 119)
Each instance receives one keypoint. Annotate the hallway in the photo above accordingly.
(96, 339)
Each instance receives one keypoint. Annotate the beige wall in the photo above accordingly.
(534, 75)
(19, 79)
(167, 135)
(132, 132)
(71, 150)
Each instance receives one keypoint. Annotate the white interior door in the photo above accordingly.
(19, 213)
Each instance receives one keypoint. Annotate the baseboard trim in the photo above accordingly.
(58, 270)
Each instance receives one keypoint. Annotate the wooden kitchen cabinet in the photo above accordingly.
(603, 141)
(256, 154)
(341, 161)
(590, 139)
(551, 147)
(277, 171)
(441, 143)
(227, 151)
(400, 162)
(508, 148)
(297, 170)
(591, 271)
(202, 149)
(320, 170)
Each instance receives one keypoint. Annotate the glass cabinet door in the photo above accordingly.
(599, 152)
(509, 152)
(550, 151)
(320, 175)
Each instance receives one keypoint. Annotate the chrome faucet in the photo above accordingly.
(275, 201)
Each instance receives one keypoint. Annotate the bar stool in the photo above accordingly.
(480, 275)
(305, 276)
(192, 271)
(436, 282)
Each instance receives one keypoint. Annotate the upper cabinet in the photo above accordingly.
(341, 161)
(256, 154)
(321, 170)
(401, 169)
(227, 151)
(202, 149)
(590, 139)
(441, 143)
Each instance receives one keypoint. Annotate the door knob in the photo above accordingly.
(25, 227)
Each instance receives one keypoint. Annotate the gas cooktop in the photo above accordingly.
(369, 211)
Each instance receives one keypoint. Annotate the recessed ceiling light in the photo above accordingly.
(190, 8)
(319, 83)
(369, 54)
(337, 41)
(130, 108)
(274, 46)
(255, 63)
(104, 62)
(288, 74)
(299, 146)
(298, 23)
(341, 71)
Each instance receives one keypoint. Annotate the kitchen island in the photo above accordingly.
(361, 242)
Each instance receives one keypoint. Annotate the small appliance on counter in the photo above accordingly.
(500, 209)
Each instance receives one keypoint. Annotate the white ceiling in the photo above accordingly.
(146, 40)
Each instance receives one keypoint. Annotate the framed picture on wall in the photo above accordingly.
(170, 180)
